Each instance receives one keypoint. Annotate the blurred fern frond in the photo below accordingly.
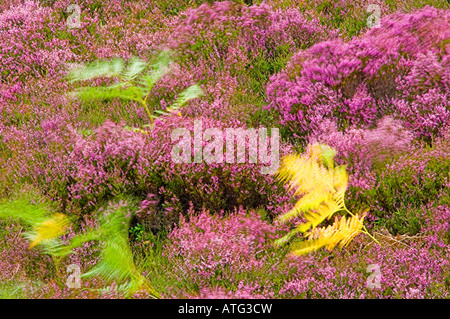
(322, 188)
(132, 85)
(51, 228)
(340, 233)
(117, 262)
(321, 185)
(97, 69)
(46, 228)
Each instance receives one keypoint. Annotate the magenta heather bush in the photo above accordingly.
(362, 149)
(355, 83)
(109, 162)
(209, 248)
(208, 253)
(242, 292)
(222, 45)
(39, 154)
(114, 29)
(27, 49)
(16, 260)
(412, 272)
(38, 47)
(406, 272)
(81, 171)
(258, 28)
(405, 184)
(436, 225)
(253, 33)
(411, 269)
(218, 186)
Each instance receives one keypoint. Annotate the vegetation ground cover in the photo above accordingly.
(360, 207)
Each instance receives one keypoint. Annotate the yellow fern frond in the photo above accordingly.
(340, 177)
(325, 210)
(295, 170)
(307, 246)
(340, 183)
(52, 227)
(314, 152)
(308, 202)
(322, 188)
(306, 175)
(340, 233)
(315, 206)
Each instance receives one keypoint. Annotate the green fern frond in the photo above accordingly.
(159, 68)
(117, 262)
(45, 228)
(192, 92)
(286, 238)
(97, 69)
(135, 67)
(25, 211)
(77, 241)
(328, 154)
(133, 85)
(105, 93)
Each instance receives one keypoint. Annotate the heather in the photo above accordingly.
(359, 81)
(90, 183)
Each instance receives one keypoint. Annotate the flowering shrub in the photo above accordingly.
(210, 248)
(218, 185)
(27, 49)
(81, 171)
(314, 69)
(243, 292)
(235, 47)
(201, 249)
(406, 272)
(409, 182)
(53, 47)
(356, 83)
(363, 150)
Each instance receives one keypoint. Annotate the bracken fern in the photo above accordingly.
(322, 187)
(117, 262)
(45, 228)
(129, 87)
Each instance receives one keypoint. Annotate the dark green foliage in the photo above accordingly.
(405, 221)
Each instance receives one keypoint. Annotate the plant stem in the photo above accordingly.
(364, 227)
(147, 110)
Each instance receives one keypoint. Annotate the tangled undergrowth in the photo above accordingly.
(93, 204)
